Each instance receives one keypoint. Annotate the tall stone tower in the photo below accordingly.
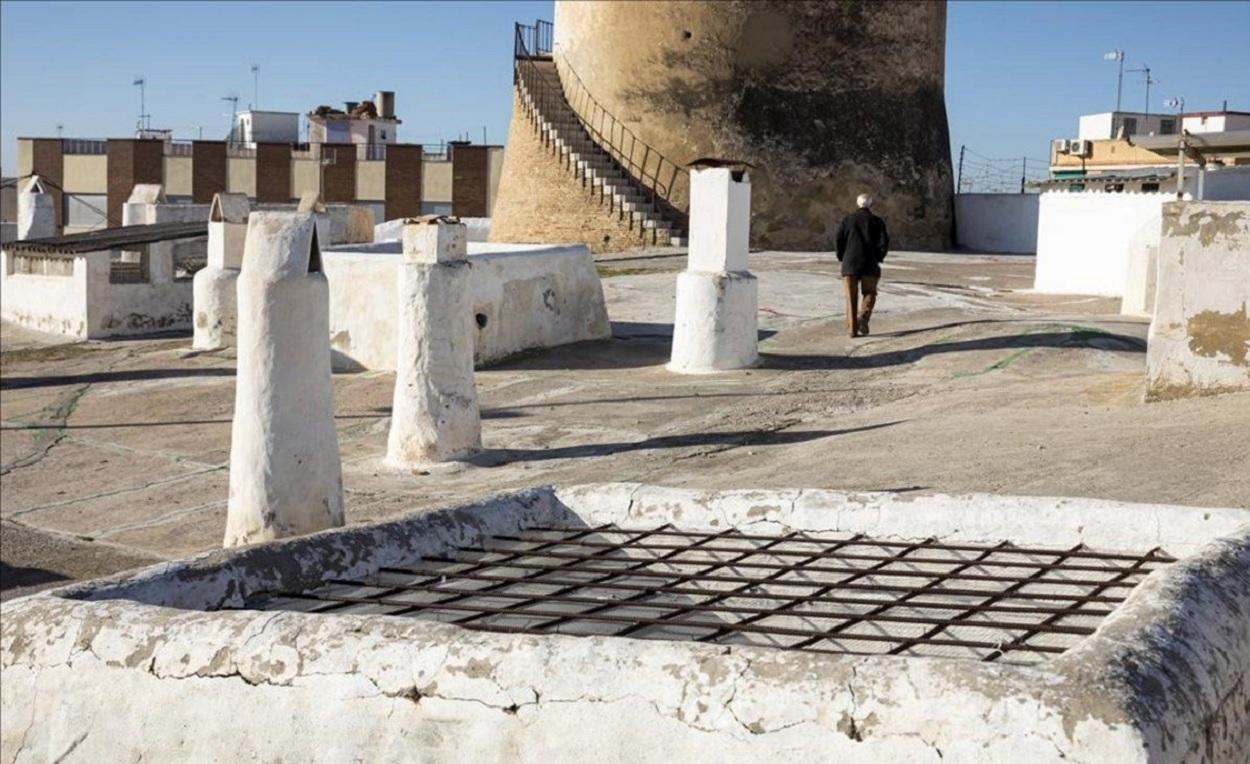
(825, 99)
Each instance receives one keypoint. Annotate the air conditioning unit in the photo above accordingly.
(1059, 146)
(1079, 148)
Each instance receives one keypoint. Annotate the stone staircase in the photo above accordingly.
(563, 131)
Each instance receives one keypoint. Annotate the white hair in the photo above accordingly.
(863, 200)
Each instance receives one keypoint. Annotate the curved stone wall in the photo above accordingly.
(826, 99)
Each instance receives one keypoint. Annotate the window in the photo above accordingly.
(1130, 126)
(84, 211)
(1167, 127)
(383, 135)
(1150, 187)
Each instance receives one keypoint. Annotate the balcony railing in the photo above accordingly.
(534, 41)
(84, 146)
(178, 148)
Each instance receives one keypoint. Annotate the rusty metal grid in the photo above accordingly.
(989, 602)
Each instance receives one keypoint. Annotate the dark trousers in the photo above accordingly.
(855, 285)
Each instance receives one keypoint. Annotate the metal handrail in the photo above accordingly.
(625, 147)
(658, 177)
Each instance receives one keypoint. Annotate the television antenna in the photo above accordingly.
(1117, 55)
(233, 98)
(1145, 69)
(145, 119)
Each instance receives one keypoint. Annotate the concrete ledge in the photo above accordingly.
(524, 297)
(1199, 342)
(134, 665)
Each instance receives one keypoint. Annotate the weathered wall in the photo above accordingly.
(75, 299)
(1085, 240)
(53, 298)
(523, 297)
(827, 100)
(1199, 340)
(997, 222)
(541, 201)
(1162, 680)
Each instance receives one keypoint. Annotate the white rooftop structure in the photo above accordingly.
(256, 126)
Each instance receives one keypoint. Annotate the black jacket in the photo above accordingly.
(862, 244)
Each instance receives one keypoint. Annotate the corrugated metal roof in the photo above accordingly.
(110, 238)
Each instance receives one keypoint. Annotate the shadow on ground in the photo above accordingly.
(15, 577)
(1068, 339)
(732, 439)
(130, 375)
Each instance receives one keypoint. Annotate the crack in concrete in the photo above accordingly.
(46, 440)
(118, 492)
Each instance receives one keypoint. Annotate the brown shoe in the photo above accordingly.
(863, 325)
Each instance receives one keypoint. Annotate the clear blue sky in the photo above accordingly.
(1017, 73)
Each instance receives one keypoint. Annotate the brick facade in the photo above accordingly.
(273, 173)
(131, 162)
(339, 178)
(208, 170)
(403, 180)
(48, 162)
(470, 181)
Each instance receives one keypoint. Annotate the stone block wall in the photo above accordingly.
(542, 196)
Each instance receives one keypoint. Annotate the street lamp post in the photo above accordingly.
(1178, 103)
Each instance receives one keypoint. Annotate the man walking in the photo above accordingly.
(862, 244)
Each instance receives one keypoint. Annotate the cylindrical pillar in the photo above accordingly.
(214, 287)
(715, 327)
(435, 415)
(285, 474)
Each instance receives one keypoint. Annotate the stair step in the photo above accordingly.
(565, 130)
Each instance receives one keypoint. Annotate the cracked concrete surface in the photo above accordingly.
(1163, 678)
(940, 398)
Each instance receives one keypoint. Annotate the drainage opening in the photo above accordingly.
(481, 320)
(822, 594)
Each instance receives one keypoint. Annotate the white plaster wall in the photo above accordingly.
(997, 222)
(134, 309)
(1199, 340)
(529, 297)
(1094, 126)
(1084, 239)
(1163, 679)
(393, 230)
(1226, 184)
(55, 304)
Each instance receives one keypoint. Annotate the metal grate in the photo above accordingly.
(795, 591)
